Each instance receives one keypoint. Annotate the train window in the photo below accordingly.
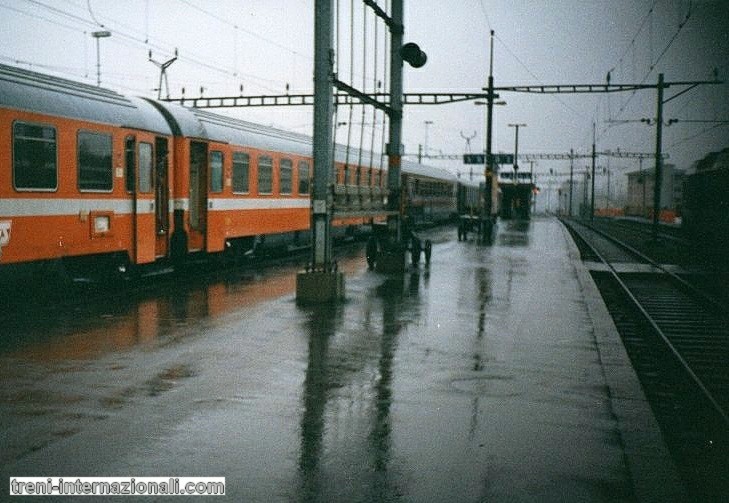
(216, 171)
(304, 177)
(130, 161)
(94, 161)
(241, 165)
(145, 167)
(285, 177)
(34, 157)
(265, 175)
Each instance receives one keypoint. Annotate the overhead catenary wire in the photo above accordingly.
(535, 77)
(41, 18)
(244, 30)
(133, 40)
(485, 14)
(700, 133)
(652, 64)
(91, 13)
(335, 121)
(364, 85)
(374, 90)
(386, 78)
(351, 80)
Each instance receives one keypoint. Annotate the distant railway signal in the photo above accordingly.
(413, 55)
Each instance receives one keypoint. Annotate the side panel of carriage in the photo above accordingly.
(72, 187)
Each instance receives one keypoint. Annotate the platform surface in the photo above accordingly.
(495, 374)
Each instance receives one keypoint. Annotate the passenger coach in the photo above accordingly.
(92, 178)
(84, 171)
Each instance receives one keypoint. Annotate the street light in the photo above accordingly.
(97, 35)
(485, 103)
(425, 143)
(516, 148)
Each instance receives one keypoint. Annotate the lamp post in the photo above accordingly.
(425, 143)
(97, 35)
(490, 180)
(485, 104)
(516, 148)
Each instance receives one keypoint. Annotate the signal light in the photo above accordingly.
(412, 53)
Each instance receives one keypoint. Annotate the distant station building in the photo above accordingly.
(515, 191)
(641, 185)
(580, 197)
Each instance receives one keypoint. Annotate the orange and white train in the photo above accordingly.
(87, 172)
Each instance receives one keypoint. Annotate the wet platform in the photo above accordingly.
(495, 374)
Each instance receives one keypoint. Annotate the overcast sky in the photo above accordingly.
(266, 44)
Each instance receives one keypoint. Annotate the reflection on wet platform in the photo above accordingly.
(474, 379)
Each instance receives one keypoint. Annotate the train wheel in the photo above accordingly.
(428, 251)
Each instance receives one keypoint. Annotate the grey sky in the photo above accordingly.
(265, 44)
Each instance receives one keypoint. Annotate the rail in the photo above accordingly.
(649, 319)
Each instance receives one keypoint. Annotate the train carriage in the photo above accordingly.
(83, 171)
(86, 173)
(235, 182)
(429, 194)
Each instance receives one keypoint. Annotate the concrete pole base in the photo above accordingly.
(319, 287)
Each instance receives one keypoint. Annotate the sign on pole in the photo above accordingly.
(481, 158)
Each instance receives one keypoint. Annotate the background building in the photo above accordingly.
(641, 185)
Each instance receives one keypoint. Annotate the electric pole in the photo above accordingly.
(659, 164)
(592, 181)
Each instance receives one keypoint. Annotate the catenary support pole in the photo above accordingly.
(490, 189)
(572, 169)
(659, 163)
(392, 256)
(322, 283)
(592, 181)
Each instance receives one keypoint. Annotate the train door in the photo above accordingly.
(161, 197)
(198, 194)
(138, 160)
(144, 204)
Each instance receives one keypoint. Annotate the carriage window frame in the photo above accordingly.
(146, 167)
(108, 171)
(285, 177)
(216, 160)
(364, 177)
(241, 173)
(265, 175)
(26, 139)
(130, 163)
(304, 178)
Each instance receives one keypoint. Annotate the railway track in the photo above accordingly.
(671, 247)
(678, 341)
